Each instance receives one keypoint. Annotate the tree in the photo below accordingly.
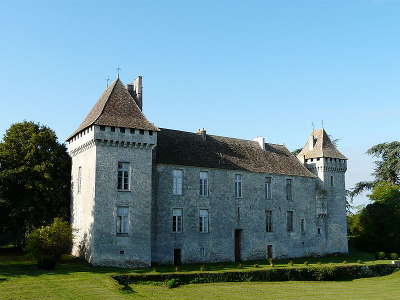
(34, 179)
(387, 166)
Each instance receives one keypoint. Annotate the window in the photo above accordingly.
(238, 186)
(122, 130)
(132, 131)
(302, 226)
(238, 213)
(203, 252)
(123, 176)
(268, 192)
(102, 128)
(268, 214)
(177, 182)
(203, 220)
(289, 222)
(177, 220)
(331, 180)
(319, 230)
(150, 132)
(203, 183)
(289, 189)
(113, 129)
(141, 131)
(122, 220)
(79, 179)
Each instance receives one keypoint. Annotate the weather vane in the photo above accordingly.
(108, 80)
(118, 69)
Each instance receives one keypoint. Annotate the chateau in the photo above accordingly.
(143, 194)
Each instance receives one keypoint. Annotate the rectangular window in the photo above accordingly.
(203, 214)
(102, 128)
(238, 186)
(332, 181)
(177, 182)
(289, 222)
(268, 215)
(177, 214)
(203, 183)
(79, 179)
(123, 176)
(122, 130)
(203, 252)
(132, 131)
(122, 220)
(289, 189)
(112, 129)
(302, 226)
(268, 192)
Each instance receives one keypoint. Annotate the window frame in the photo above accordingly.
(79, 187)
(204, 221)
(268, 221)
(289, 189)
(121, 220)
(268, 187)
(290, 225)
(302, 225)
(177, 187)
(238, 186)
(175, 220)
(121, 188)
(204, 184)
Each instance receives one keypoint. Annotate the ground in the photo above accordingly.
(73, 279)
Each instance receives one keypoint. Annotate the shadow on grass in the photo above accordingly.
(127, 289)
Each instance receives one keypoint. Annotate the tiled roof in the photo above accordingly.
(320, 145)
(190, 149)
(116, 107)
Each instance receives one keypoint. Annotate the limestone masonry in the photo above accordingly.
(143, 195)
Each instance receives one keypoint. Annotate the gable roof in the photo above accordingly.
(320, 145)
(116, 107)
(190, 149)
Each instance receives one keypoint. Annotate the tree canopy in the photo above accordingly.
(34, 180)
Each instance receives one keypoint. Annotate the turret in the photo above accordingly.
(322, 158)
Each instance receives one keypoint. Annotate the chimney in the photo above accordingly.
(203, 133)
(261, 141)
(135, 89)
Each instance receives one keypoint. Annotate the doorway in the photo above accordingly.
(238, 236)
(269, 251)
(177, 257)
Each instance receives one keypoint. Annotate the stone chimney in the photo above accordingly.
(203, 133)
(261, 141)
(135, 89)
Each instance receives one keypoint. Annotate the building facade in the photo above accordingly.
(143, 194)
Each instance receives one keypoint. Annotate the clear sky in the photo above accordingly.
(237, 68)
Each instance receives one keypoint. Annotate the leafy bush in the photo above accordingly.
(306, 263)
(319, 263)
(323, 273)
(173, 283)
(344, 262)
(380, 255)
(360, 261)
(394, 256)
(239, 266)
(47, 243)
(203, 268)
(255, 265)
(290, 263)
(177, 269)
(271, 262)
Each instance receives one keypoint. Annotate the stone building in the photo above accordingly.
(143, 194)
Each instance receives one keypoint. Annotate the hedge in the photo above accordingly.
(323, 272)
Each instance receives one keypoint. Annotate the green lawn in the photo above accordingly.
(20, 279)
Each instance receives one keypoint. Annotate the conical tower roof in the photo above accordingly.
(116, 107)
(320, 145)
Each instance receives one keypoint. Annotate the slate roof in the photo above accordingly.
(116, 107)
(190, 149)
(323, 146)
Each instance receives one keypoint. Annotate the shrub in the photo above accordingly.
(203, 268)
(255, 265)
(394, 256)
(306, 263)
(239, 266)
(290, 263)
(380, 255)
(323, 273)
(319, 263)
(173, 283)
(271, 262)
(359, 261)
(177, 269)
(47, 243)
(344, 262)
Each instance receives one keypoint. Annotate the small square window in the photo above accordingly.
(132, 131)
(150, 132)
(112, 129)
(122, 130)
(141, 131)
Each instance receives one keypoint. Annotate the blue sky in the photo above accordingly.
(237, 68)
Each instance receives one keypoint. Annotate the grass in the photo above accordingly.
(74, 279)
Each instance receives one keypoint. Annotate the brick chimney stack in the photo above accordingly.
(135, 89)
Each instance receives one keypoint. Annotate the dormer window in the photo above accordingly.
(141, 131)
(132, 131)
(112, 129)
(150, 132)
(102, 128)
(122, 130)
